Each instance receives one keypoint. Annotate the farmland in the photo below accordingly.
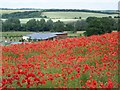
(15, 33)
(12, 11)
(72, 15)
(66, 17)
(86, 62)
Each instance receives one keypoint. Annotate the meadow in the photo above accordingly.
(85, 62)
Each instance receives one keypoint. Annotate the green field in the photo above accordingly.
(15, 33)
(72, 15)
(66, 17)
(14, 36)
(12, 11)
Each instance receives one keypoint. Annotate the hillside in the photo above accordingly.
(73, 15)
(55, 13)
(64, 15)
(86, 62)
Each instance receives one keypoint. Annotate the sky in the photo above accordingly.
(61, 4)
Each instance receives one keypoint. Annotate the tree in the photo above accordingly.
(41, 25)
(118, 25)
(69, 27)
(23, 27)
(11, 24)
(107, 24)
(92, 31)
(59, 26)
(49, 25)
(31, 25)
(80, 25)
(97, 26)
(91, 19)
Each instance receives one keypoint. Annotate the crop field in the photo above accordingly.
(72, 15)
(86, 62)
(66, 17)
(12, 11)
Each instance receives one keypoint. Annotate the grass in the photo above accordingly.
(14, 36)
(15, 33)
(72, 15)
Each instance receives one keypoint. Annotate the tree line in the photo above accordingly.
(13, 24)
(92, 25)
(26, 14)
(81, 10)
(67, 10)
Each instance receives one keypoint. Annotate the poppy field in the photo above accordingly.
(85, 62)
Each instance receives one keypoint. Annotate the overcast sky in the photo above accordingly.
(61, 4)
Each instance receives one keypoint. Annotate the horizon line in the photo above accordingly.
(58, 8)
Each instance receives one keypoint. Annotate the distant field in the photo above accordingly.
(72, 15)
(12, 11)
(66, 17)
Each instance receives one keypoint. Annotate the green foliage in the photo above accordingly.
(69, 27)
(58, 26)
(31, 25)
(41, 25)
(118, 25)
(49, 25)
(97, 26)
(80, 25)
(11, 24)
(26, 14)
(92, 25)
